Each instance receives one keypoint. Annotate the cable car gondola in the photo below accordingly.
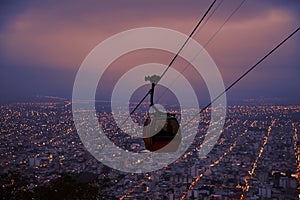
(160, 128)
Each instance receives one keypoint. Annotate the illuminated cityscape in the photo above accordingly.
(257, 156)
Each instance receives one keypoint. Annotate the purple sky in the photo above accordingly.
(44, 42)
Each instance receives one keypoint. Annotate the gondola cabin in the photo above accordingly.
(160, 129)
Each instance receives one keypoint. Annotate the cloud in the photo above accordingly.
(59, 35)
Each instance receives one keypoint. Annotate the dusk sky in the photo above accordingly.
(43, 43)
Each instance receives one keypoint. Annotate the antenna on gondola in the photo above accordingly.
(153, 80)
